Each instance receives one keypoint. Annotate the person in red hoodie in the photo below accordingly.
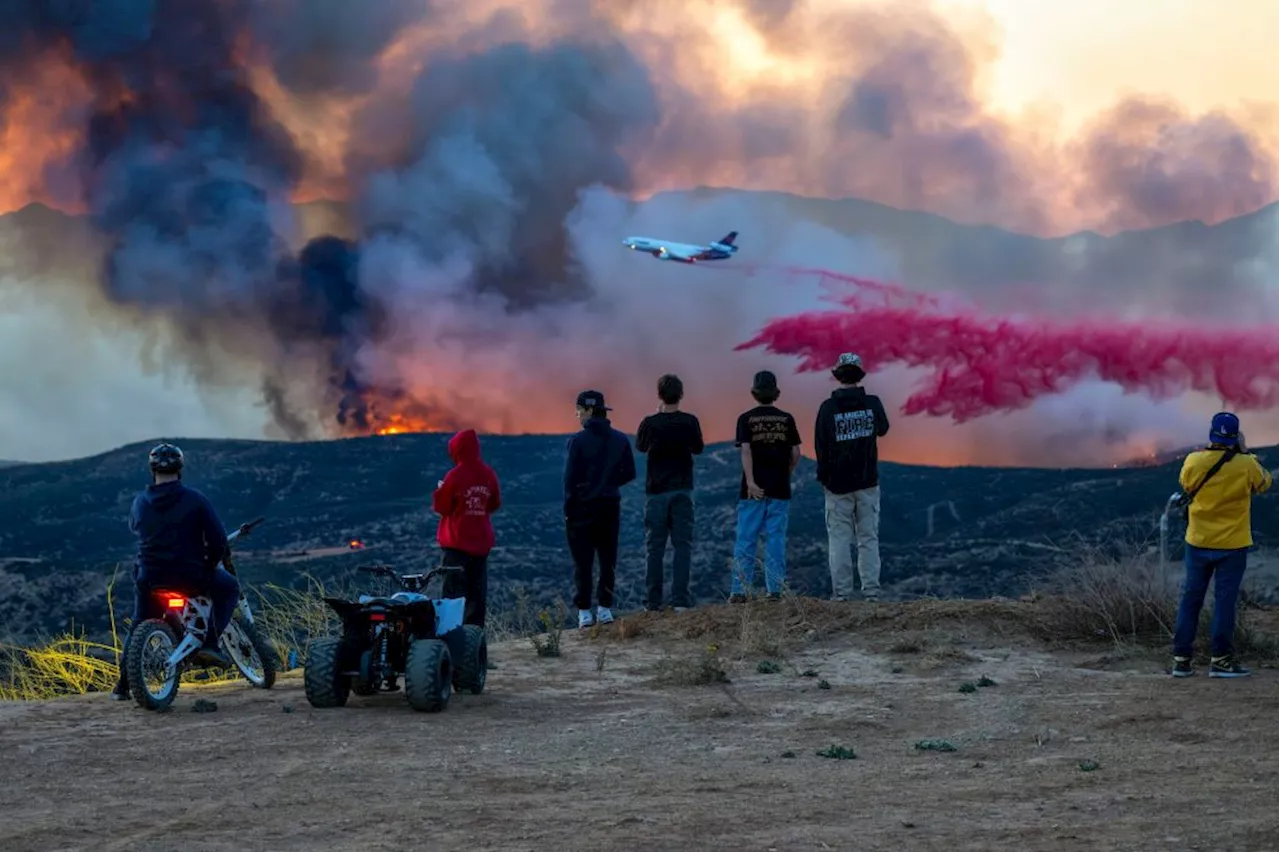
(465, 499)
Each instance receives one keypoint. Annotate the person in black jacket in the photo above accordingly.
(181, 544)
(848, 425)
(598, 462)
(671, 438)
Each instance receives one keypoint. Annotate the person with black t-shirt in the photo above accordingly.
(671, 438)
(769, 443)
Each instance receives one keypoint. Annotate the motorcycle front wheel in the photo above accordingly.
(252, 654)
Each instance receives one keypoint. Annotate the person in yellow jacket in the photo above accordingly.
(1218, 543)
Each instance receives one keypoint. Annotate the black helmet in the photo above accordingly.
(166, 458)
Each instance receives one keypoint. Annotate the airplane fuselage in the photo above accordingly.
(680, 252)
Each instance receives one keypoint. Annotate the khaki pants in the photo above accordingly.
(850, 517)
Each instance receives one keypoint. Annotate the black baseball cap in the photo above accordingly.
(764, 381)
(592, 399)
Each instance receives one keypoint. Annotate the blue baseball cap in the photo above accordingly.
(1225, 429)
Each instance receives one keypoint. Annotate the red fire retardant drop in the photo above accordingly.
(982, 364)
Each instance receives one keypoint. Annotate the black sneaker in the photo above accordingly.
(737, 598)
(1181, 667)
(212, 657)
(775, 596)
(1227, 667)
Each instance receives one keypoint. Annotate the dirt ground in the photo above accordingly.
(590, 750)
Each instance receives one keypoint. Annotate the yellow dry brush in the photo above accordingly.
(71, 664)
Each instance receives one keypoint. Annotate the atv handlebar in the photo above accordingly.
(410, 582)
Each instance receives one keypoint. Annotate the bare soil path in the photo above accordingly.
(588, 752)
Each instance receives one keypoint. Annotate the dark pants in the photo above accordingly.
(592, 531)
(1226, 569)
(222, 588)
(668, 515)
(472, 583)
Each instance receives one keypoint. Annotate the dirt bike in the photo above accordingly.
(160, 650)
(406, 634)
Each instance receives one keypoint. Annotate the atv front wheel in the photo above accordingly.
(151, 682)
(252, 654)
(473, 668)
(322, 678)
(428, 675)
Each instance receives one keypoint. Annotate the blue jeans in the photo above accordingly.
(767, 516)
(1226, 569)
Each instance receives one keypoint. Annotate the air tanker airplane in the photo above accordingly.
(684, 252)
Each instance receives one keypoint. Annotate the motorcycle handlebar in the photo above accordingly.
(244, 529)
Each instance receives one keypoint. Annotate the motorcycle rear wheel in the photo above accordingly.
(146, 663)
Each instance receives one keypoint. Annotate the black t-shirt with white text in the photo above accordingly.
(771, 433)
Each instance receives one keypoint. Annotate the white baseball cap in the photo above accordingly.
(848, 359)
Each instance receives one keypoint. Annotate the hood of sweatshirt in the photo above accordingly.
(164, 496)
(465, 447)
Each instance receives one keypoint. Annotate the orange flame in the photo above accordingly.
(401, 424)
(356, 544)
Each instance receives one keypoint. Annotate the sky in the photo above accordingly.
(1026, 96)
(1085, 54)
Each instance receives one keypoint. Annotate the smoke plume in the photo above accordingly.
(481, 155)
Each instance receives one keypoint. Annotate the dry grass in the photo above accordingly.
(1132, 601)
(1128, 603)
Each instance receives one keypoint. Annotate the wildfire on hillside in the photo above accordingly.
(364, 411)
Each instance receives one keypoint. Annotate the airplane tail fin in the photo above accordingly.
(729, 238)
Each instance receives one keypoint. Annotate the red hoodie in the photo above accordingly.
(466, 498)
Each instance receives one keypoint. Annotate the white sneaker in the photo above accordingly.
(603, 615)
(584, 618)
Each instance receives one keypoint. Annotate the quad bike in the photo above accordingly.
(406, 634)
(159, 650)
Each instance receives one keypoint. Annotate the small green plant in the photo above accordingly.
(547, 643)
(934, 745)
(809, 673)
(986, 681)
(824, 684)
(768, 667)
(1089, 765)
(837, 752)
(968, 687)
(706, 667)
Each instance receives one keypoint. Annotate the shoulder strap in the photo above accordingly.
(1227, 455)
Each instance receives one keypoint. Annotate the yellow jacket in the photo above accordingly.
(1218, 517)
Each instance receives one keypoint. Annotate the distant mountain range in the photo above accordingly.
(1187, 269)
(973, 532)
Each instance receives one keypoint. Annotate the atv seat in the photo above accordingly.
(392, 600)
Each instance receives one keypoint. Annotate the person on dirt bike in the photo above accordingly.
(180, 543)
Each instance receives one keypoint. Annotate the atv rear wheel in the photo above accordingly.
(428, 675)
(322, 678)
(364, 683)
(147, 662)
(252, 654)
(473, 668)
